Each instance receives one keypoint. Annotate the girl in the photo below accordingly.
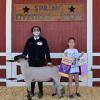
(74, 70)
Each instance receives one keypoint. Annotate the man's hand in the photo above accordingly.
(82, 52)
(50, 64)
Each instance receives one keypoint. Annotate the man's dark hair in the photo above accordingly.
(71, 38)
(36, 27)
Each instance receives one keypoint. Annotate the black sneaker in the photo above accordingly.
(71, 96)
(78, 94)
(54, 94)
(40, 95)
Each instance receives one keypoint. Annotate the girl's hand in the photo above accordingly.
(82, 53)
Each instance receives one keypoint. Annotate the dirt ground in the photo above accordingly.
(19, 93)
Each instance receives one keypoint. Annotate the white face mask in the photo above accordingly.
(36, 33)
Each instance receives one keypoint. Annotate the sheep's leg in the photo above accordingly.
(54, 89)
(29, 91)
(56, 80)
(29, 86)
(29, 95)
(60, 88)
(60, 91)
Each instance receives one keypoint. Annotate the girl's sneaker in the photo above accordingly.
(71, 96)
(77, 94)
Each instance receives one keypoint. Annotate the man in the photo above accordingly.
(37, 49)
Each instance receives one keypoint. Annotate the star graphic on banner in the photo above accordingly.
(26, 9)
(72, 9)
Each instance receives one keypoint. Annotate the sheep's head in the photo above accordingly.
(20, 58)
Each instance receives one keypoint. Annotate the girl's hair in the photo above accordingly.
(36, 27)
(71, 38)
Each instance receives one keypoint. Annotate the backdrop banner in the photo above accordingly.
(48, 12)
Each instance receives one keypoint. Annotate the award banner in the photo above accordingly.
(67, 60)
(83, 60)
(64, 70)
(84, 70)
(48, 12)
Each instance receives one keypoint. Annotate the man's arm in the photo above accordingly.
(47, 52)
(26, 47)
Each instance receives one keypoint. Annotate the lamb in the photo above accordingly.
(37, 74)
